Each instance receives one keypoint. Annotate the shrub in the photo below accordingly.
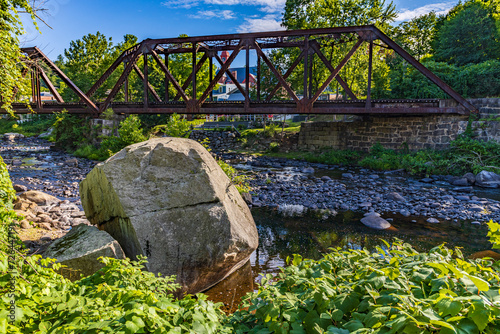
(176, 127)
(119, 298)
(274, 147)
(270, 130)
(70, 131)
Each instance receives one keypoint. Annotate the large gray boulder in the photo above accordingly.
(80, 248)
(169, 200)
(488, 179)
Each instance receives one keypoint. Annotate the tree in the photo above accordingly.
(469, 35)
(11, 66)
(417, 35)
(84, 62)
(306, 14)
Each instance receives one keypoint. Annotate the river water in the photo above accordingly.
(311, 236)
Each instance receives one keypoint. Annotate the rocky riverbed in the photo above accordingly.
(281, 182)
(277, 183)
(47, 185)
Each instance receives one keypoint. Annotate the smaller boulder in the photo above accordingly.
(80, 248)
(433, 221)
(376, 222)
(39, 197)
(487, 179)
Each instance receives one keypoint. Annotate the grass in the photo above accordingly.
(37, 125)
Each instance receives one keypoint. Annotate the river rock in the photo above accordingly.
(80, 248)
(169, 200)
(39, 197)
(394, 196)
(375, 222)
(462, 182)
(488, 179)
(19, 188)
(471, 178)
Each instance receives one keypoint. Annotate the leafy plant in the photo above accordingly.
(119, 298)
(395, 290)
(494, 234)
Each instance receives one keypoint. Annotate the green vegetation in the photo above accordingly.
(36, 125)
(396, 290)
(12, 82)
(465, 155)
(74, 134)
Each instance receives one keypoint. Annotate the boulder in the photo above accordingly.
(487, 179)
(80, 248)
(39, 197)
(375, 222)
(169, 200)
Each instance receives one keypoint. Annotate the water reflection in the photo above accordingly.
(311, 236)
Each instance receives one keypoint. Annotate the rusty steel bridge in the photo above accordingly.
(310, 43)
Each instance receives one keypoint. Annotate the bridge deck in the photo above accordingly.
(239, 107)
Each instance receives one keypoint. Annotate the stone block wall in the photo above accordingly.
(401, 132)
(488, 107)
(396, 132)
(219, 141)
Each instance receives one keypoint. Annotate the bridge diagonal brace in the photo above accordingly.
(150, 87)
(337, 70)
(67, 81)
(106, 75)
(190, 78)
(119, 83)
(170, 76)
(218, 76)
(424, 70)
(287, 74)
(278, 75)
(342, 83)
(50, 85)
(231, 76)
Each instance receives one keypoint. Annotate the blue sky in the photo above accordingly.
(72, 19)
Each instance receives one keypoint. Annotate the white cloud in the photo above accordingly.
(267, 23)
(180, 3)
(210, 14)
(268, 6)
(439, 8)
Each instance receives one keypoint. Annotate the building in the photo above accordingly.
(227, 89)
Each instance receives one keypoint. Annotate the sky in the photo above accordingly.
(72, 19)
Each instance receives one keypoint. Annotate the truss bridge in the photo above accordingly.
(195, 94)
